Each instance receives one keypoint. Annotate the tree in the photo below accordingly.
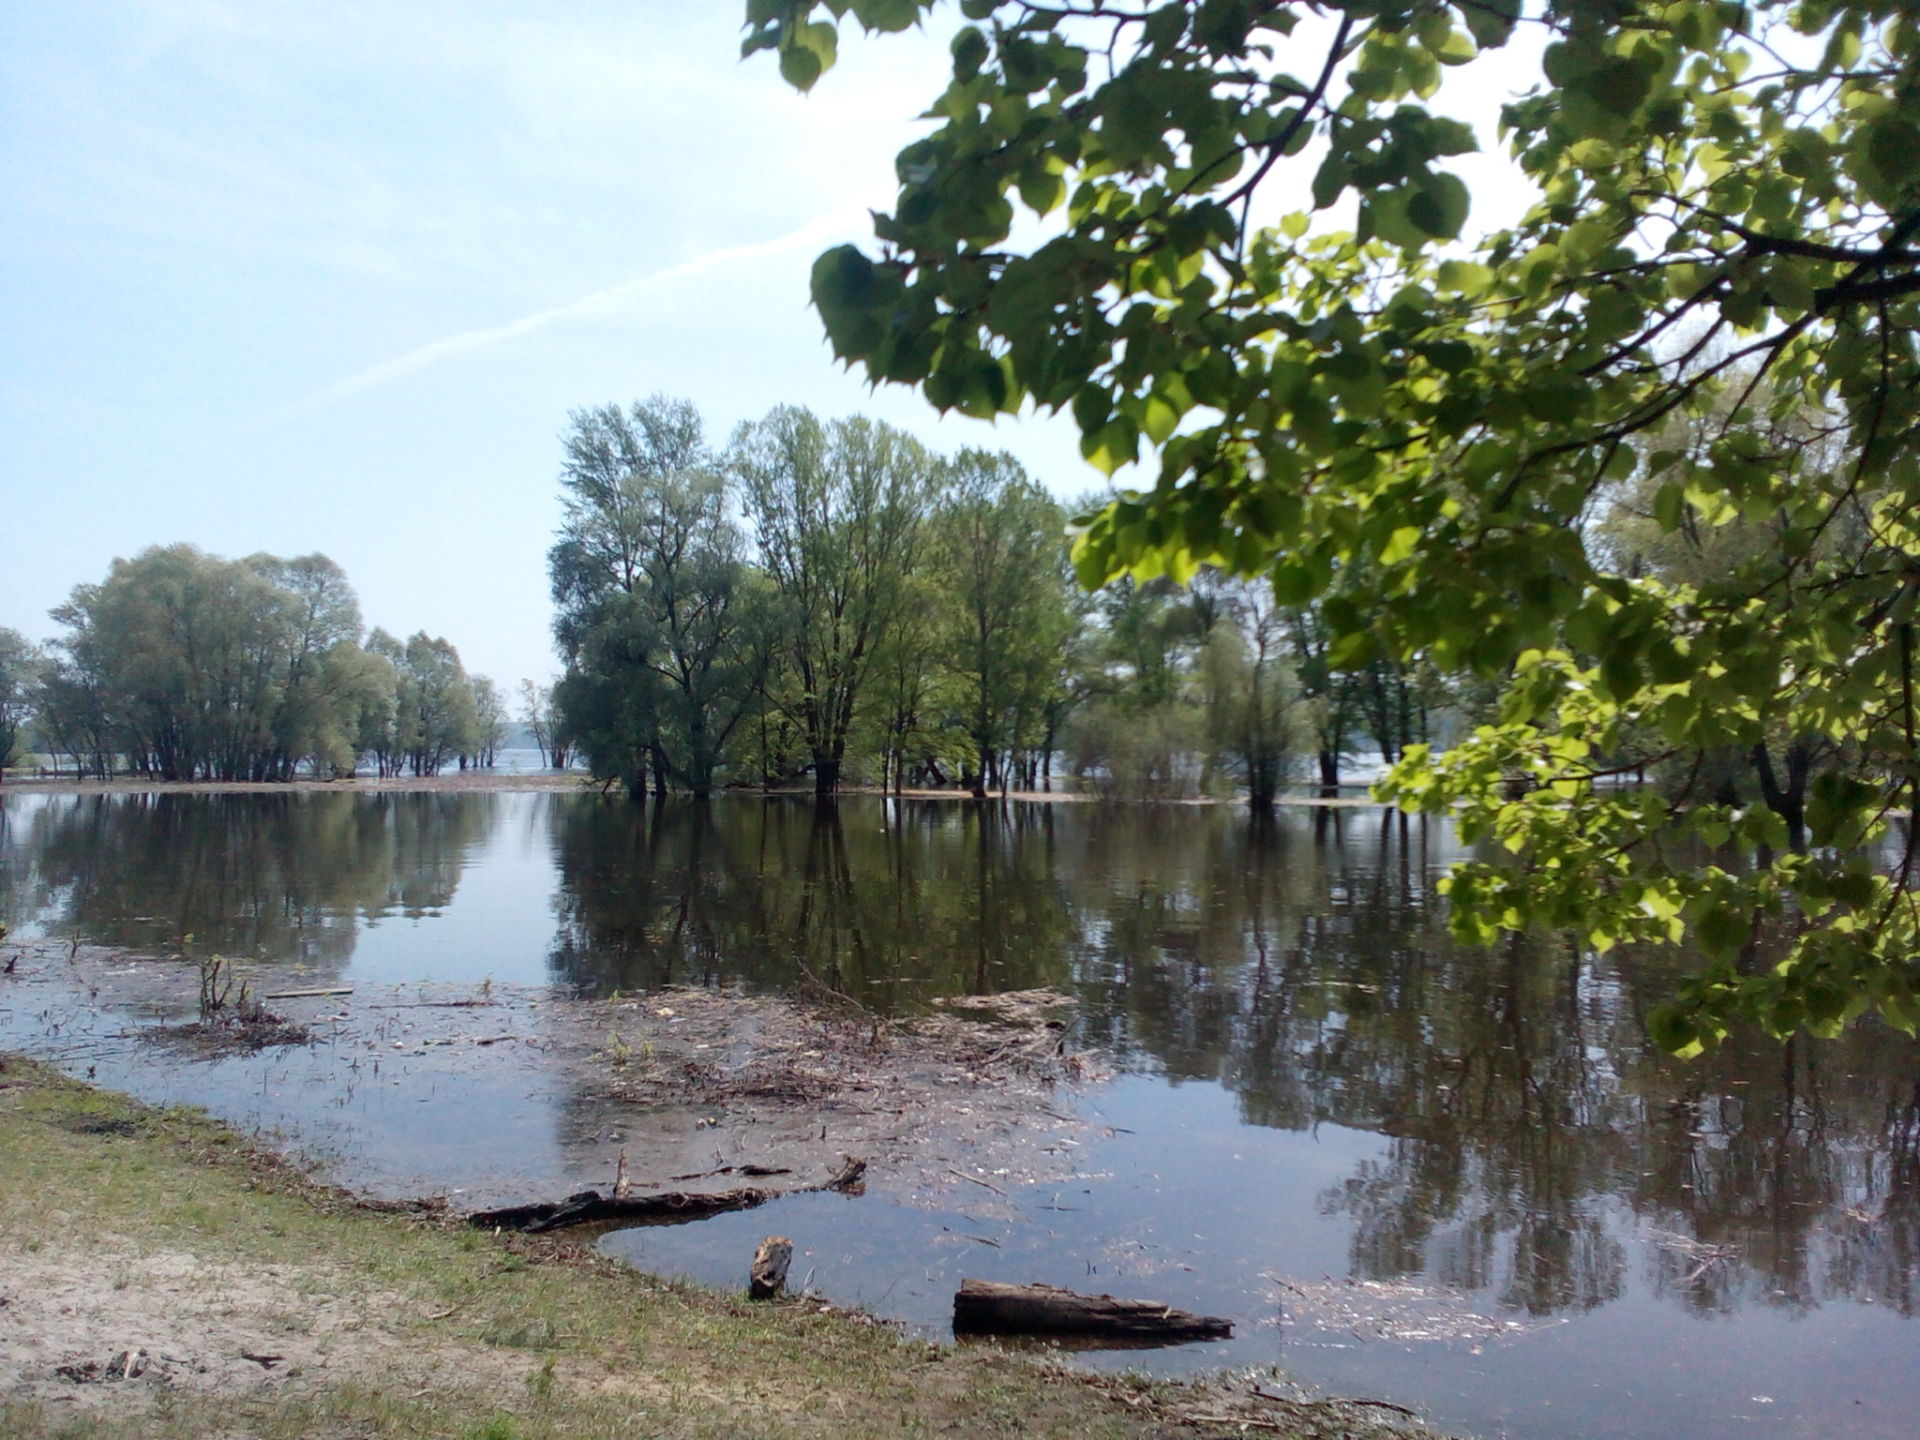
(1724, 194)
(537, 714)
(839, 513)
(70, 713)
(379, 731)
(1141, 732)
(435, 718)
(190, 666)
(21, 665)
(1249, 691)
(998, 534)
(489, 721)
(322, 679)
(660, 619)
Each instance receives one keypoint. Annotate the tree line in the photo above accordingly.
(831, 602)
(182, 665)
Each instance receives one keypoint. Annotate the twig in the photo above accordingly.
(976, 1180)
(1376, 1404)
(1257, 1423)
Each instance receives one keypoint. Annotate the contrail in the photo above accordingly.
(600, 302)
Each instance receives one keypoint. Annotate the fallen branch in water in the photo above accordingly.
(988, 1307)
(672, 1207)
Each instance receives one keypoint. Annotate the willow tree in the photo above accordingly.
(659, 616)
(21, 668)
(1008, 618)
(197, 667)
(839, 512)
(1723, 196)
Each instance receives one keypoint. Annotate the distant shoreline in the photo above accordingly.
(481, 782)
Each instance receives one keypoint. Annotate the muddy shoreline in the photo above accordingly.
(952, 1109)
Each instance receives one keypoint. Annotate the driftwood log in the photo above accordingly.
(985, 1307)
(670, 1207)
(769, 1274)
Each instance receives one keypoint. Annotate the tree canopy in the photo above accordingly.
(824, 596)
(188, 666)
(1711, 303)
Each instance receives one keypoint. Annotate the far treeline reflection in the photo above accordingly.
(1300, 962)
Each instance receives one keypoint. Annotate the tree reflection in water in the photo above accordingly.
(1538, 1147)
(893, 903)
(276, 875)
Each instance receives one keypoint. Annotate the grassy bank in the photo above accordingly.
(262, 1304)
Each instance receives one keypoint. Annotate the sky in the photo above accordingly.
(297, 277)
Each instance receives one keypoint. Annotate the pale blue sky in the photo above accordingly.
(296, 277)
(329, 276)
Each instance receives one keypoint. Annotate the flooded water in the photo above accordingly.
(1445, 1178)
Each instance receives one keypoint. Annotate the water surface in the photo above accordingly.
(1318, 1086)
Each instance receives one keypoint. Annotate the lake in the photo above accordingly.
(1441, 1177)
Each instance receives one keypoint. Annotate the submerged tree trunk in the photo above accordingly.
(1329, 771)
(826, 775)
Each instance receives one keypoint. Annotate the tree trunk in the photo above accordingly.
(826, 775)
(1329, 772)
(985, 1307)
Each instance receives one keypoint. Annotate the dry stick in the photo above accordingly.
(1257, 1423)
(305, 994)
(1329, 1404)
(976, 1180)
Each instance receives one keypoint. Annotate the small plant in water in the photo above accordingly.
(219, 999)
(216, 987)
(618, 1051)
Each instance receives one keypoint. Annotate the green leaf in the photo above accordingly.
(1722, 930)
(800, 67)
(969, 52)
(1669, 502)
(1353, 651)
(1400, 545)
(1672, 1029)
